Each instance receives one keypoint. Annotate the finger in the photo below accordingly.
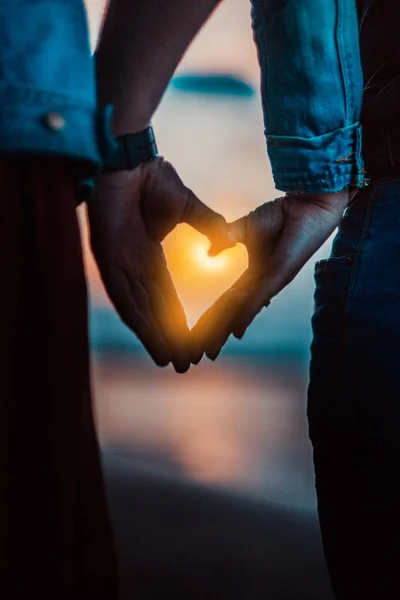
(219, 322)
(277, 272)
(232, 323)
(235, 299)
(144, 304)
(260, 295)
(213, 322)
(179, 328)
(240, 327)
(171, 318)
(248, 313)
(133, 306)
(176, 340)
(217, 341)
(197, 336)
(208, 222)
(238, 229)
(212, 325)
(215, 318)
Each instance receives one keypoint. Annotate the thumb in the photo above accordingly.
(238, 229)
(208, 222)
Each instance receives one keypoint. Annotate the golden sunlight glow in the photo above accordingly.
(200, 279)
(209, 263)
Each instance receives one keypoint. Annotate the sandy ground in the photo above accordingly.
(181, 540)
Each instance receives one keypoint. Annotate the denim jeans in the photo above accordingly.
(354, 397)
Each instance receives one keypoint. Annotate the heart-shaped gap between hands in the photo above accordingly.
(199, 278)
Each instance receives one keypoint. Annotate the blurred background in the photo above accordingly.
(210, 473)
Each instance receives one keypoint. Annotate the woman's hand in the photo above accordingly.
(280, 236)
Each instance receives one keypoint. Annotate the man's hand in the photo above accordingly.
(130, 213)
(280, 236)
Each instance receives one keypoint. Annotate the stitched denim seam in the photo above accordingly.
(325, 264)
(345, 64)
(346, 129)
(322, 176)
(314, 182)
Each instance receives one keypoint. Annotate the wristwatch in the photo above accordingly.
(133, 149)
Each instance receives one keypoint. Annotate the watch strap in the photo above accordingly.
(133, 149)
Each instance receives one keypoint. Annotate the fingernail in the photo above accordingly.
(181, 369)
(210, 349)
(196, 357)
(240, 330)
(239, 334)
(181, 363)
(213, 349)
(162, 362)
(218, 246)
(213, 355)
(162, 359)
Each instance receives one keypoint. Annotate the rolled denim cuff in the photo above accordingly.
(107, 145)
(326, 163)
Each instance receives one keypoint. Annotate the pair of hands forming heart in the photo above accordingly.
(131, 212)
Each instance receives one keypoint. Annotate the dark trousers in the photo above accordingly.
(354, 397)
(55, 539)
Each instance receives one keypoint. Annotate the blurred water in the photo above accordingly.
(238, 424)
(210, 479)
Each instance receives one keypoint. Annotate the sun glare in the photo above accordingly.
(206, 262)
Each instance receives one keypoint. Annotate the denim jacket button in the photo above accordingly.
(55, 121)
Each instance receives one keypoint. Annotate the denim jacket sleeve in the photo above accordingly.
(47, 83)
(311, 83)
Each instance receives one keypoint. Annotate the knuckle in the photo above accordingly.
(220, 223)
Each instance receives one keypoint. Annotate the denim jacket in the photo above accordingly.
(47, 82)
(311, 86)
